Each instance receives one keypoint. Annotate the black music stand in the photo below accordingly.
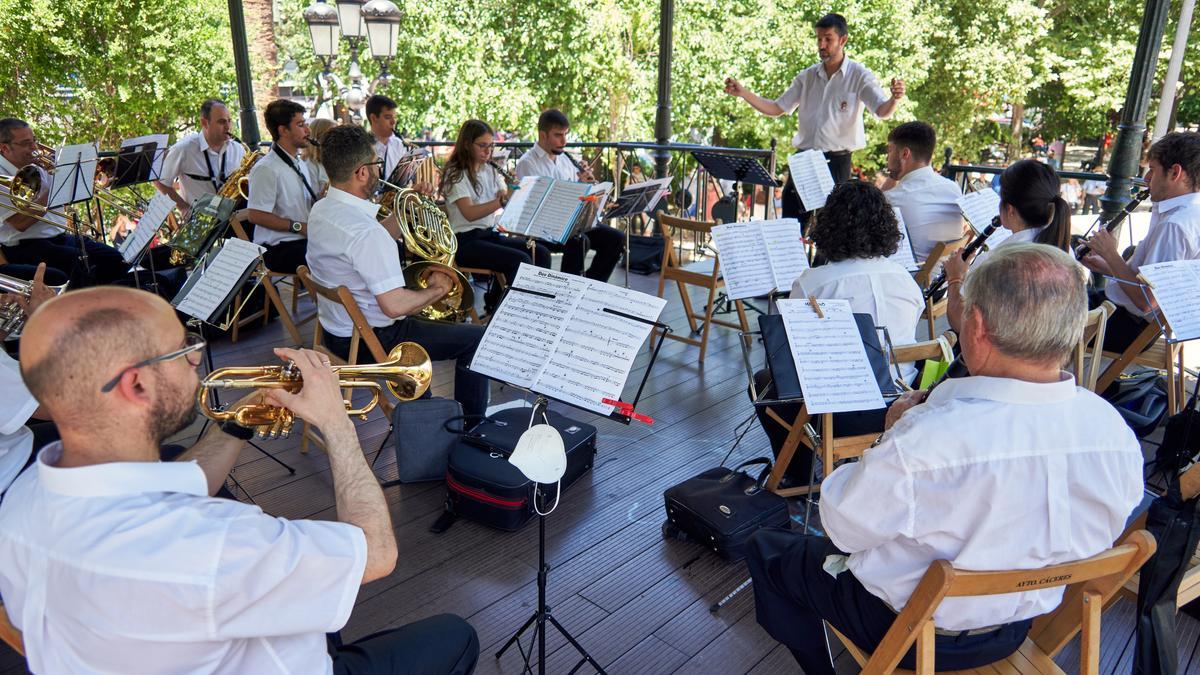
(76, 177)
(736, 168)
(136, 163)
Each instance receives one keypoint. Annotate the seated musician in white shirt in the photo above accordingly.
(112, 561)
(927, 200)
(348, 247)
(1174, 234)
(548, 157)
(281, 190)
(201, 162)
(1013, 467)
(381, 118)
(855, 232)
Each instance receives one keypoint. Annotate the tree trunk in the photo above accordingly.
(260, 33)
(1014, 140)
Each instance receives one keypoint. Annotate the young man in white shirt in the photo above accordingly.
(927, 200)
(1093, 190)
(829, 98)
(1173, 178)
(111, 561)
(947, 481)
(201, 161)
(281, 191)
(381, 118)
(548, 157)
(348, 247)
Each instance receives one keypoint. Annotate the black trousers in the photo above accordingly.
(609, 244)
(53, 276)
(1122, 327)
(287, 256)
(443, 341)
(440, 645)
(793, 595)
(61, 253)
(490, 250)
(839, 166)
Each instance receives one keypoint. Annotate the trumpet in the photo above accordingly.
(12, 316)
(406, 374)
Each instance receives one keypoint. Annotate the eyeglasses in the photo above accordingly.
(485, 146)
(192, 344)
(378, 163)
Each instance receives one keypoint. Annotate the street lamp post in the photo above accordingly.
(378, 21)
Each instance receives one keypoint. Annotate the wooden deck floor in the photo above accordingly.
(637, 602)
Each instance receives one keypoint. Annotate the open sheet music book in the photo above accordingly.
(147, 226)
(1176, 288)
(759, 256)
(904, 255)
(812, 178)
(980, 207)
(217, 279)
(835, 374)
(544, 208)
(566, 337)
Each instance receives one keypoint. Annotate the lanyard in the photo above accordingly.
(292, 163)
(213, 179)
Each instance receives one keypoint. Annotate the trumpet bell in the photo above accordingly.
(456, 304)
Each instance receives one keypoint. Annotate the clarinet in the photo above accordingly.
(508, 177)
(970, 248)
(579, 166)
(1111, 225)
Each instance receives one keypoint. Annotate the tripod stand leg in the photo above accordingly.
(273, 458)
(517, 635)
(575, 643)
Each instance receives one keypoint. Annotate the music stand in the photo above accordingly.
(71, 182)
(137, 164)
(736, 168)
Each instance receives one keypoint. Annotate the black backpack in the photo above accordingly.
(1140, 399)
(1181, 438)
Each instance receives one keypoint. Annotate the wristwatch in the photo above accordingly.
(297, 227)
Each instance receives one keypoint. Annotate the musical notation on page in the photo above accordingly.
(980, 207)
(785, 250)
(904, 252)
(1176, 289)
(812, 178)
(744, 262)
(147, 226)
(214, 283)
(835, 375)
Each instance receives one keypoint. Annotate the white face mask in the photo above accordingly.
(540, 454)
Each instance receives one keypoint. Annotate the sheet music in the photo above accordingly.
(785, 251)
(1177, 292)
(904, 253)
(161, 143)
(553, 218)
(74, 175)
(604, 190)
(529, 189)
(640, 197)
(811, 176)
(219, 279)
(744, 262)
(980, 207)
(831, 361)
(522, 334)
(147, 226)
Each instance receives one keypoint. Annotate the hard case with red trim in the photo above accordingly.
(481, 484)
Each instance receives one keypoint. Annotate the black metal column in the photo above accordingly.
(662, 116)
(245, 84)
(1127, 147)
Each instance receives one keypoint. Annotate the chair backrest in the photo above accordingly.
(362, 329)
(9, 633)
(927, 350)
(1091, 582)
(668, 222)
(938, 254)
(1091, 347)
(670, 261)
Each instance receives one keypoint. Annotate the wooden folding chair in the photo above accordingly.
(9, 633)
(1090, 584)
(497, 278)
(705, 274)
(1160, 355)
(827, 445)
(1091, 347)
(925, 276)
(272, 296)
(360, 334)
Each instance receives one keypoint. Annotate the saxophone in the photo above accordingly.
(194, 235)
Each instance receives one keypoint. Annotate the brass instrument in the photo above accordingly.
(406, 374)
(12, 316)
(193, 234)
(427, 234)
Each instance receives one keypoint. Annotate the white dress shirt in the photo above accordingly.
(490, 182)
(874, 286)
(275, 188)
(319, 175)
(16, 405)
(538, 162)
(192, 156)
(989, 474)
(10, 235)
(129, 567)
(390, 153)
(1174, 234)
(928, 202)
(829, 109)
(348, 247)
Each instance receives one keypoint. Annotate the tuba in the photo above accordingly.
(12, 316)
(406, 374)
(427, 235)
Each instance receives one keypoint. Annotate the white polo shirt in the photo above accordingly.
(829, 108)
(874, 286)
(9, 235)
(927, 201)
(538, 162)
(989, 474)
(489, 183)
(276, 188)
(200, 169)
(129, 567)
(16, 440)
(390, 153)
(1174, 234)
(348, 247)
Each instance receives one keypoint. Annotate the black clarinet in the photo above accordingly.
(970, 248)
(1111, 225)
(508, 177)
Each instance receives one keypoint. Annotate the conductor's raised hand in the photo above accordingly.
(734, 88)
(319, 400)
(897, 88)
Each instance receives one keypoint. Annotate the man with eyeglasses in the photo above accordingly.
(111, 561)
